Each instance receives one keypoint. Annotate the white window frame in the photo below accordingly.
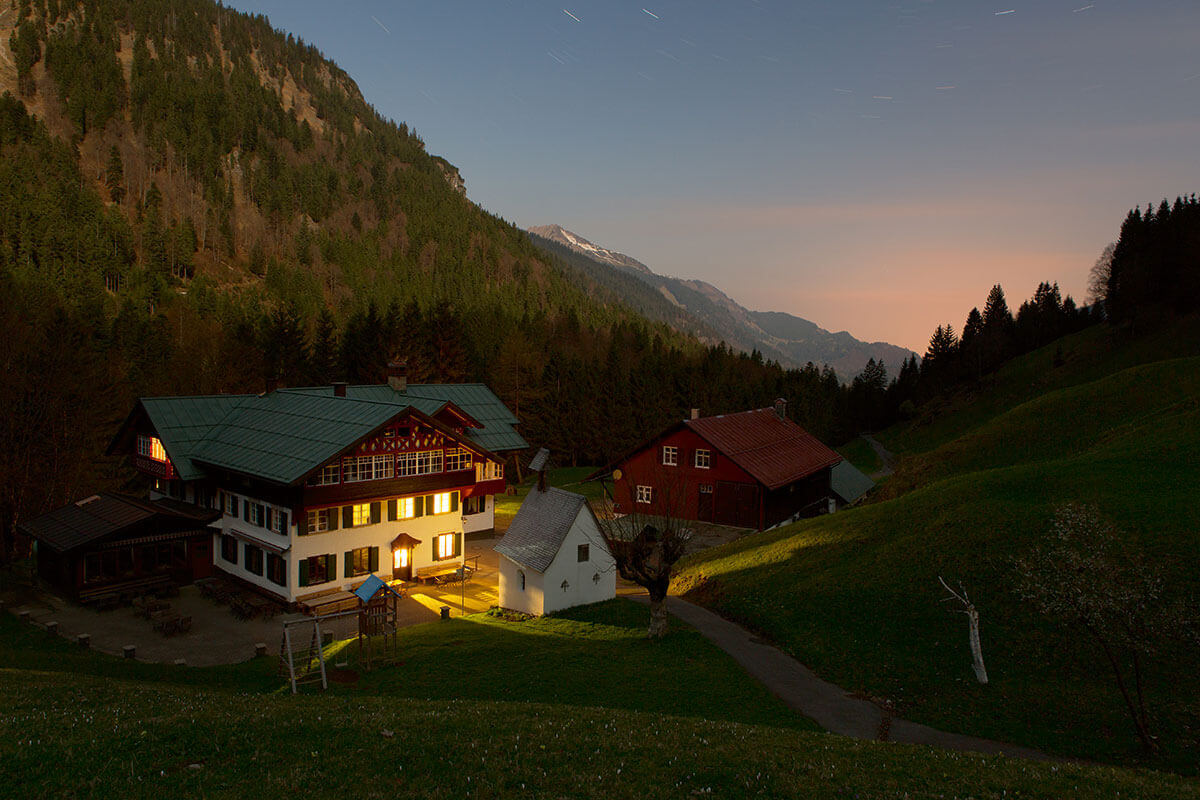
(670, 455)
(357, 469)
(457, 459)
(645, 494)
(445, 546)
(488, 471)
(151, 447)
(258, 514)
(702, 454)
(276, 517)
(231, 504)
(420, 462)
(329, 475)
(406, 508)
(318, 521)
(441, 502)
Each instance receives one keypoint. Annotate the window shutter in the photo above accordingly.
(376, 513)
(347, 516)
(348, 564)
(330, 566)
(435, 554)
(267, 517)
(283, 522)
(453, 502)
(457, 545)
(304, 572)
(331, 518)
(374, 559)
(429, 504)
(245, 509)
(262, 514)
(418, 506)
(302, 524)
(391, 510)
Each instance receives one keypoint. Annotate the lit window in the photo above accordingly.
(703, 459)
(405, 508)
(441, 503)
(458, 459)
(489, 471)
(151, 447)
(446, 546)
(362, 514)
(318, 521)
(670, 455)
(644, 494)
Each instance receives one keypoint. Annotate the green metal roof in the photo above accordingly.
(183, 422)
(285, 435)
(476, 399)
(849, 483)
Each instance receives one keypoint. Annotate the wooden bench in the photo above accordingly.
(436, 573)
(113, 595)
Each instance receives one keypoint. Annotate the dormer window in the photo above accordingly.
(151, 447)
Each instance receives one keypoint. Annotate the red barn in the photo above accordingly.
(753, 469)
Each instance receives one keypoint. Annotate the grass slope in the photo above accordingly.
(855, 595)
(79, 731)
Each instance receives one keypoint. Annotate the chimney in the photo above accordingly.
(398, 376)
(781, 408)
(695, 413)
(339, 388)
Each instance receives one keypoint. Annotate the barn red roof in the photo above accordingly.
(776, 451)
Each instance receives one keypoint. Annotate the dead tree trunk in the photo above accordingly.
(969, 609)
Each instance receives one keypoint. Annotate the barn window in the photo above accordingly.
(670, 455)
(703, 459)
(645, 494)
(582, 554)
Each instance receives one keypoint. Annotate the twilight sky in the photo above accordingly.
(871, 166)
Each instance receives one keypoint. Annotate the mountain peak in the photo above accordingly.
(573, 241)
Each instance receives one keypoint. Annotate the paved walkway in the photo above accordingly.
(885, 456)
(828, 705)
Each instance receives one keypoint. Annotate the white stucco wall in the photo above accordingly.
(588, 581)
(527, 601)
(483, 521)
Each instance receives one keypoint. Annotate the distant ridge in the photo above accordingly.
(699, 308)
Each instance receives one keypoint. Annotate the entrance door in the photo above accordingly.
(200, 556)
(402, 564)
(704, 507)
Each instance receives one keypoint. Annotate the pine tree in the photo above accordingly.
(322, 350)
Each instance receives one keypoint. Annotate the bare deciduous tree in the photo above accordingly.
(1098, 276)
(1089, 581)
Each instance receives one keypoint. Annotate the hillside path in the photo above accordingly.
(830, 706)
(886, 456)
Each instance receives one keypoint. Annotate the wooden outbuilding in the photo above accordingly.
(753, 469)
(114, 546)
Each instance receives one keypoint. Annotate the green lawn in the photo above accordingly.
(83, 734)
(855, 595)
(569, 478)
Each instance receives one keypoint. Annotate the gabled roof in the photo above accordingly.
(284, 435)
(849, 483)
(541, 524)
(99, 516)
(183, 422)
(476, 400)
(773, 449)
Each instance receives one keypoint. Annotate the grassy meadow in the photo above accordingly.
(856, 596)
(81, 724)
